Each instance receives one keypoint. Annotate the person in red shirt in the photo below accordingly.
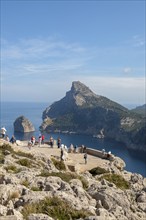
(43, 138)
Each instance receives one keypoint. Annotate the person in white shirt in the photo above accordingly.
(3, 132)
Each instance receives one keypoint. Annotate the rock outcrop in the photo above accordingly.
(23, 125)
(82, 111)
(32, 187)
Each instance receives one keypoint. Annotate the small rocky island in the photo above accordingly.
(23, 125)
(36, 185)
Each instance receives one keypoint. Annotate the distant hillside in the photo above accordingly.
(82, 111)
(140, 110)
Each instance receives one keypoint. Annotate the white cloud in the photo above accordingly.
(122, 90)
(138, 41)
(44, 65)
(127, 70)
(40, 48)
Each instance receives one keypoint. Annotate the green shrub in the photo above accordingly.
(25, 162)
(56, 208)
(118, 180)
(35, 188)
(97, 171)
(84, 181)
(25, 183)
(2, 158)
(6, 147)
(12, 168)
(59, 164)
(3, 148)
(23, 154)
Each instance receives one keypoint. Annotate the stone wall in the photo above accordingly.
(94, 152)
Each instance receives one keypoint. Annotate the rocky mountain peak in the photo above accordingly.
(80, 88)
(80, 94)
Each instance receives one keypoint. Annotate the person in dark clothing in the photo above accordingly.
(13, 139)
(61, 154)
(59, 142)
(51, 141)
(85, 158)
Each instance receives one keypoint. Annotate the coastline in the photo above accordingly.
(135, 161)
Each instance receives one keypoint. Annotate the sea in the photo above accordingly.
(9, 111)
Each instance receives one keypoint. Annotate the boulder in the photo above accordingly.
(23, 125)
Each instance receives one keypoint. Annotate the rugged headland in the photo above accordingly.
(36, 185)
(82, 111)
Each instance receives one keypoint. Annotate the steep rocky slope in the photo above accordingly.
(140, 110)
(37, 186)
(82, 111)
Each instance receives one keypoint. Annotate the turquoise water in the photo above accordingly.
(9, 111)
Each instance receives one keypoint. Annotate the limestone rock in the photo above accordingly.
(102, 199)
(39, 217)
(23, 125)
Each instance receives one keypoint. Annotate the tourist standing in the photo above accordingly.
(103, 153)
(13, 139)
(3, 132)
(29, 144)
(85, 158)
(33, 140)
(109, 155)
(71, 148)
(40, 140)
(75, 148)
(59, 142)
(62, 154)
(51, 141)
(7, 138)
(43, 138)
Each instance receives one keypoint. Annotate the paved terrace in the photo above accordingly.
(75, 160)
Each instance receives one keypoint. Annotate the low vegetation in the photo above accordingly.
(35, 188)
(25, 162)
(5, 147)
(2, 158)
(67, 176)
(55, 208)
(14, 195)
(23, 154)
(97, 171)
(118, 180)
(12, 168)
(25, 183)
(59, 164)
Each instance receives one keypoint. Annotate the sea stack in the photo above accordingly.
(23, 125)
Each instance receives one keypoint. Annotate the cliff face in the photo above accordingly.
(80, 97)
(82, 111)
(23, 125)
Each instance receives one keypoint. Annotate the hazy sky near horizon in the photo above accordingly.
(46, 45)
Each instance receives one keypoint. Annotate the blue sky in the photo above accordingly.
(45, 45)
